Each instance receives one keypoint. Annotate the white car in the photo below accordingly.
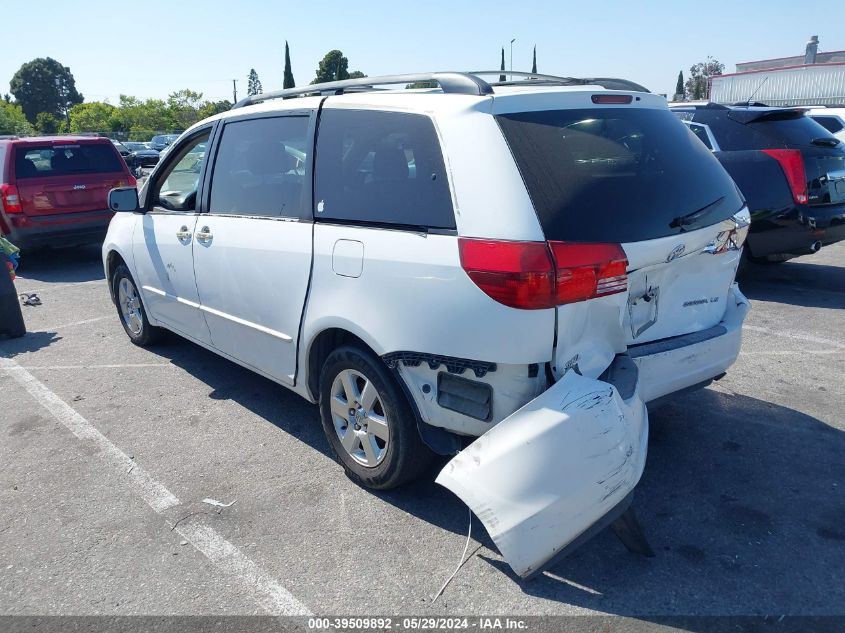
(527, 264)
(832, 119)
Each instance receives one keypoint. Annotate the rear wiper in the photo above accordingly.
(691, 218)
(826, 142)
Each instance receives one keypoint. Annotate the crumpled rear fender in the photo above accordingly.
(553, 469)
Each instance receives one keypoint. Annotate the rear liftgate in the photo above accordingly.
(554, 473)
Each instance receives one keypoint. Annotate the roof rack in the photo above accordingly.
(449, 82)
(467, 83)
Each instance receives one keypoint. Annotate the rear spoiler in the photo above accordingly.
(754, 116)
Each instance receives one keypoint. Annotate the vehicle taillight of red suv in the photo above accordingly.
(54, 189)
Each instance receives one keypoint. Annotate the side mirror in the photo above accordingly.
(124, 199)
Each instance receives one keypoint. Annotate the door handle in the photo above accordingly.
(204, 234)
(183, 234)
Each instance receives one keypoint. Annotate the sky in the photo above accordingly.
(150, 49)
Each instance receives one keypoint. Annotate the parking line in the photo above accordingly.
(794, 336)
(75, 323)
(123, 366)
(265, 589)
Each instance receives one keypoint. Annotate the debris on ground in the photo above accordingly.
(219, 504)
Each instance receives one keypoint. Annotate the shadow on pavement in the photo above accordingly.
(66, 265)
(30, 342)
(742, 501)
(796, 283)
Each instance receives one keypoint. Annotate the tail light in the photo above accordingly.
(517, 274)
(129, 182)
(585, 271)
(10, 199)
(793, 166)
(537, 275)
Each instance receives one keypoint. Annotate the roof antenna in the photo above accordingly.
(756, 90)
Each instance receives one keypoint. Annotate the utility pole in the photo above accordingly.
(234, 91)
(512, 41)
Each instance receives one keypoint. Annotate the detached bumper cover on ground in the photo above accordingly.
(549, 472)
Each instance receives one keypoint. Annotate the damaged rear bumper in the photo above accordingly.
(680, 362)
(554, 472)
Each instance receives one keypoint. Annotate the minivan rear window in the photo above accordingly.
(617, 174)
(66, 159)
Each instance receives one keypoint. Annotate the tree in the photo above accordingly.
(698, 85)
(46, 123)
(356, 74)
(502, 76)
(13, 120)
(333, 67)
(44, 85)
(679, 87)
(288, 78)
(183, 106)
(143, 119)
(534, 62)
(253, 84)
(210, 108)
(95, 116)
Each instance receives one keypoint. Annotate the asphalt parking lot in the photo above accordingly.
(108, 451)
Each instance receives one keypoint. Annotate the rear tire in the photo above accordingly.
(368, 421)
(131, 310)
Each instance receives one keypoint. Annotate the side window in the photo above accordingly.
(701, 132)
(260, 168)
(177, 190)
(381, 167)
(830, 123)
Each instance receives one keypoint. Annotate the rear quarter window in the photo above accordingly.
(66, 159)
(831, 123)
(791, 130)
(617, 174)
(381, 168)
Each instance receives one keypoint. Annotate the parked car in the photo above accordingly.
(162, 141)
(790, 169)
(831, 119)
(125, 152)
(141, 155)
(54, 189)
(575, 260)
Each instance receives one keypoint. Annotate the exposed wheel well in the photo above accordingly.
(112, 262)
(326, 342)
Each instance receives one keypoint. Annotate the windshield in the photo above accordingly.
(617, 174)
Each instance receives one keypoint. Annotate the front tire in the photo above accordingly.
(368, 421)
(131, 311)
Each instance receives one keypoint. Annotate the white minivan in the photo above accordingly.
(527, 263)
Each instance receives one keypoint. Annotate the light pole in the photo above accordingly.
(512, 41)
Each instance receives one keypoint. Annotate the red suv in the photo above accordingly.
(54, 189)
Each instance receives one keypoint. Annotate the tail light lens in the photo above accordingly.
(10, 199)
(585, 271)
(793, 166)
(129, 182)
(537, 275)
(517, 274)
